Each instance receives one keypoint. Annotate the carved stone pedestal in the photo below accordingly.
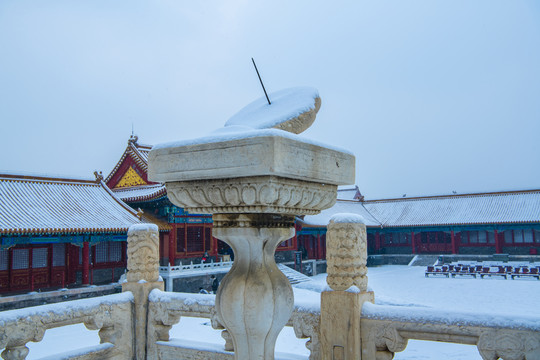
(255, 299)
(253, 180)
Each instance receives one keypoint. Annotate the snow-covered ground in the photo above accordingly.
(395, 285)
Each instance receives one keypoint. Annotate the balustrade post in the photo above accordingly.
(142, 277)
(341, 307)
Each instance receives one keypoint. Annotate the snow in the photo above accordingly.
(157, 295)
(239, 132)
(461, 318)
(355, 207)
(142, 227)
(64, 307)
(397, 288)
(67, 339)
(66, 355)
(348, 218)
(285, 105)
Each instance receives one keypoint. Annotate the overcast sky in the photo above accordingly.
(431, 96)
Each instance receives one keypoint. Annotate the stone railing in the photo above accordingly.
(352, 327)
(166, 309)
(386, 330)
(110, 314)
(347, 325)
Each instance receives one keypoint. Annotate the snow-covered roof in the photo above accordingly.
(46, 205)
(469, 209)
(138, 152)
(141, 193)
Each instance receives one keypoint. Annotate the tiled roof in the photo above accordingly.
(45, 205)
(471, 209)
(138, 152)
(161, 224)
(487, 208)
(141, 193)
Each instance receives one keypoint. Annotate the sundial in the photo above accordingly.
(292, 110)
(254, 175)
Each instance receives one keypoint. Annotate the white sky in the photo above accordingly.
(431, 96)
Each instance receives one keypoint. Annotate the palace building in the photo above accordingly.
(60, 232)
(485, 223)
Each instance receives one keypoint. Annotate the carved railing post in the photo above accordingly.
(15, 343)
(142, 277)
(346, 255)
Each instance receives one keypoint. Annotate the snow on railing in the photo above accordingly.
(386, 330)
(165, 310)
(110, 314)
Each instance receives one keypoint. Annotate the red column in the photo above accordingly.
(498, 243)
(297, 228)
(85, 263)
(214, 247)
(319, 246)
(454, 244)
(172, 247)
(377, 242)
(413, 244)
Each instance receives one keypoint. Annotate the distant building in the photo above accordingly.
(59, 232)
(184, 237)
(485, 223)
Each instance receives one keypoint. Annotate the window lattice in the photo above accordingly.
(59, 254)
(20, 259)
(4, 260)
(102, 252)
(195, 241)
(115, 251)
(39, 257)
(528, 236)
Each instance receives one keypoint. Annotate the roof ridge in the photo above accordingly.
(46, 179)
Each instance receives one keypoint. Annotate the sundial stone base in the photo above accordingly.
(255, 300)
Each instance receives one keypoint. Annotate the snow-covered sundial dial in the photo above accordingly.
(292, 110)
